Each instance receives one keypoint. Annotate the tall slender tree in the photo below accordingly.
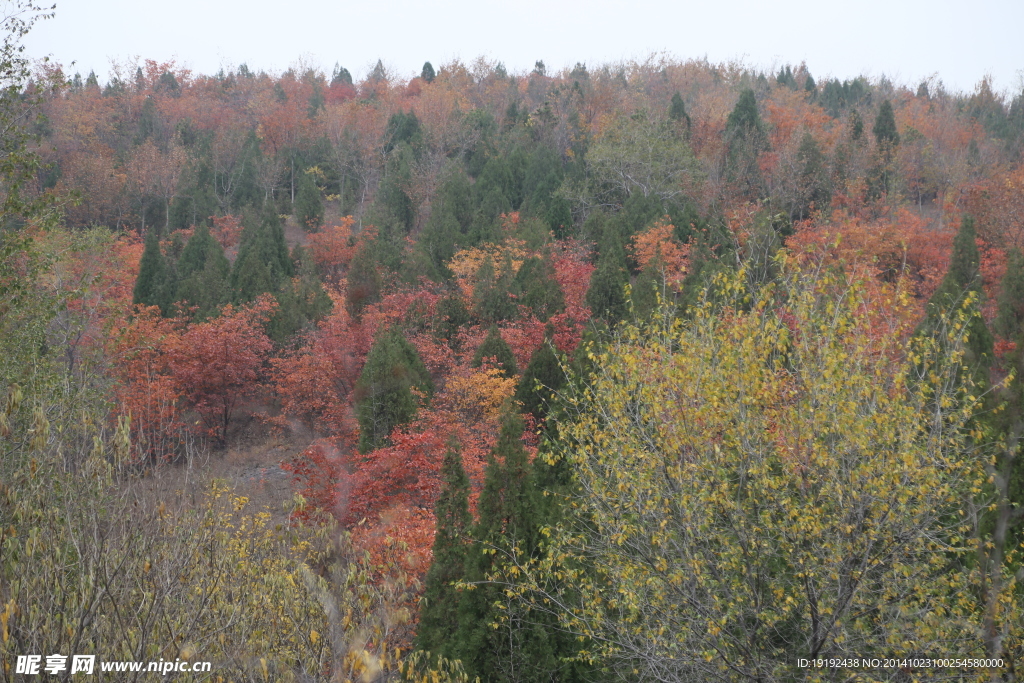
(439, 610)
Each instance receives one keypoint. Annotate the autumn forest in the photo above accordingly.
(647, 371)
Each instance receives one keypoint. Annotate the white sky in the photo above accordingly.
(907, 40)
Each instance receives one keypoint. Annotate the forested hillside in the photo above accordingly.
(670, 371)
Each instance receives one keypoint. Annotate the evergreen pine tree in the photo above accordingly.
(856, 125)
(309, 208)
(1009, 323)
(492, 300)
(427, 73)
(363, 282)
(155, 285)
(648, 286)
(203, 274)
(963, 278)
(451, 315)
(439, 611)
(677, 110)
(520, 648)
(495, 347)
(745, 139)
(543, 376)
(885, 131)
(263, 262)
(537, 288)
(605, 296)
(383, 395)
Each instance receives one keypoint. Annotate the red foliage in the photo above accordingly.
(148, 394)
(227, 230)
(218, 363)
(333, 248)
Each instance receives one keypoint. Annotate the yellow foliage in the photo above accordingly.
(466, 263)
(771, 480)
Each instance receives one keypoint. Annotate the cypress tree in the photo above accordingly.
(520, 648)
(605, 296)
(856, 125)
(538, 289)
(677, 110)
(451, 315)
(885, 131)
(745, 138)
(155, 285)
(427, 73)
(439, 611)
(363, 282)
(309, 208)
(263, 262)
(492, 300)
(203, 274)
(962, 278)
(496, 347)
(649, 284)
(1009, 323)
(543, 376)
(383, 395)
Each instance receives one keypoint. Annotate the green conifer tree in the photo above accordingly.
(543, 376)
(492, 300)
(203, 274)
(519, 648)
(451, 316)
(263, 262)
(439, 609)
(155, 284)
(677, 110)
(495, 347)
(1009, 323)
(363, 282)
(537, 288)
(383, 395)
(309, 207)
(885, 131)
(605, 296)
(427, 73)
(963, 279)
(745, 139)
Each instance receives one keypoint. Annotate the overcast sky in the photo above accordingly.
(907, 40)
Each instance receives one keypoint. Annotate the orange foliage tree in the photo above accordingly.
(218, 363)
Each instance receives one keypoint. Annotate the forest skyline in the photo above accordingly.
(870, 42)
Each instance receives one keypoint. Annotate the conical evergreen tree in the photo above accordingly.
(439, 611)
(383, 395)
(745, 138)
(363, 282)
(885, 130)
(648, 286)
(203, 275)
(496, 347)
(543, 376)
(451, 315)
(538, 289)
(962, 279)
(155, 284)
(677, 110)
(520, 648)
(492, 300)
(1009, 323)
(309, 208)
(263, 262)
(427, 73)
(606, 296)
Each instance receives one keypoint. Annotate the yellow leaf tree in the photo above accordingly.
(778, 477)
